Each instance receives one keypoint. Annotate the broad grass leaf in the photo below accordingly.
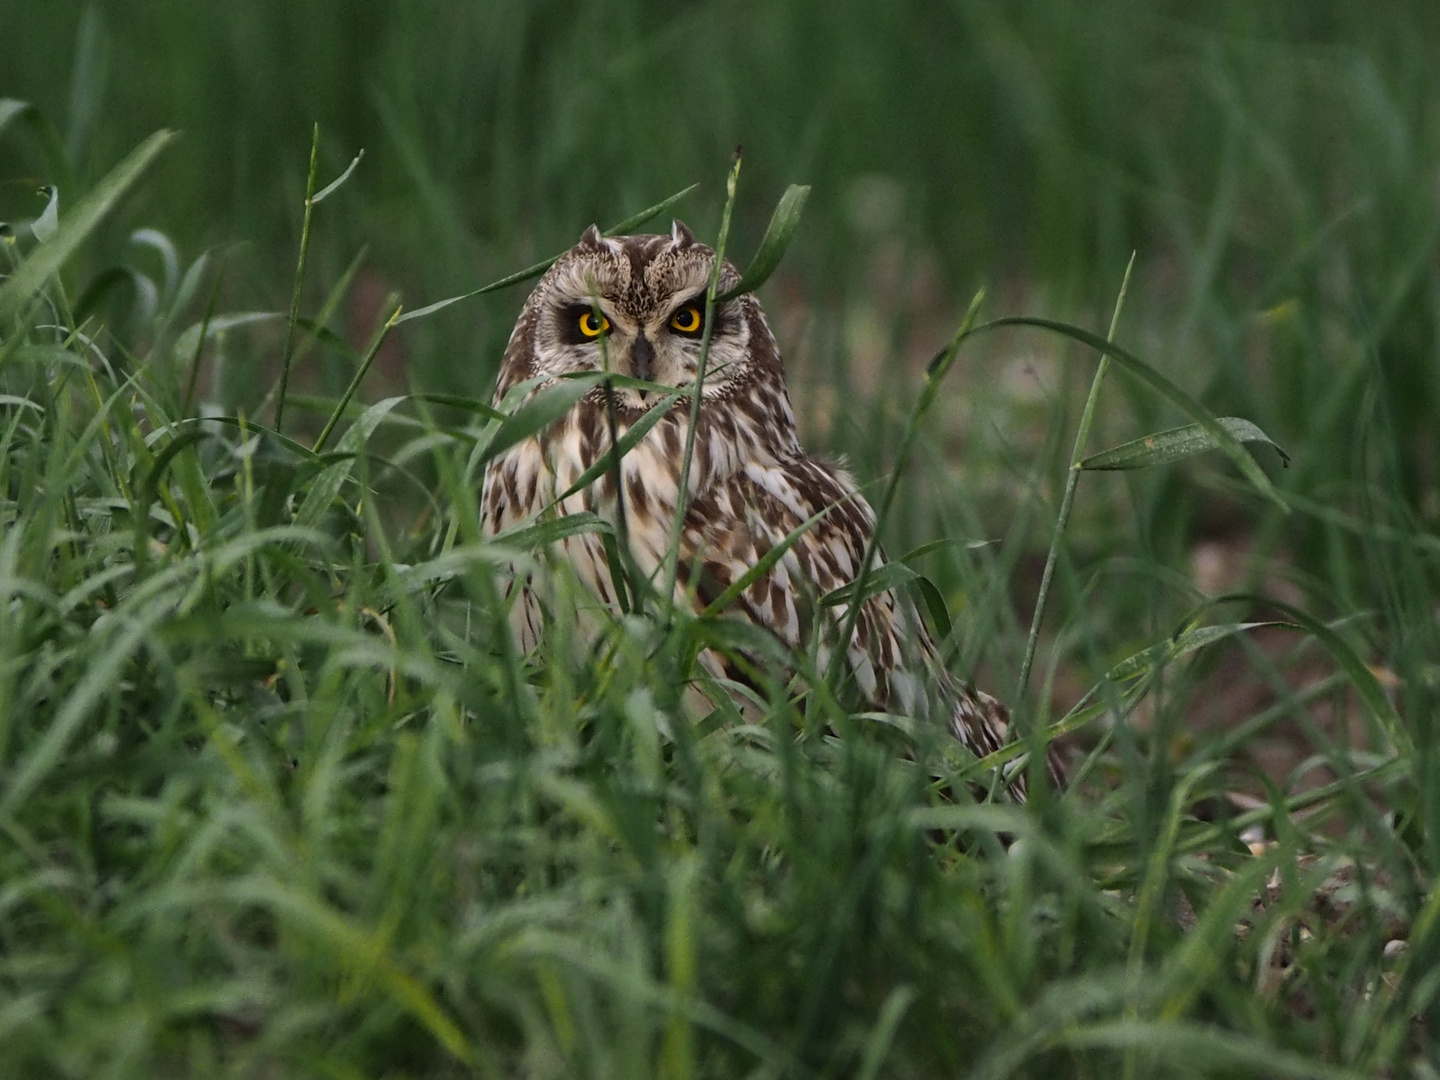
(11, 108)
(455, 401)
(637, 219)
(941, 544)
(1146, 374)
(1186, 642)
(996, 818)
(632, 383)
(163, 246)
(331, 479)
(778, 234)
(897, 1002)
(1398, 767)
(537, 414)
(547, 532)
(1163, 447)
(208, 565)
(167, 455)
(935, 603)
(250, 429)
(48, 223)
(100, 288)
(753, 646)
(883, 578)
(356, 948)
(289, 567)
(1139, 664)
(328, 337)
(190, 280)
(1361, 677)
(459, 560)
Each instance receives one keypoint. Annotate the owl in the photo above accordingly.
(635, 306)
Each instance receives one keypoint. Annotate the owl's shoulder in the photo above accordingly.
(810, 505)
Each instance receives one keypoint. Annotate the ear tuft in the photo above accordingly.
(680, 234)
(591, 238)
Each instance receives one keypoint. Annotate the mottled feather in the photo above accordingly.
(751, 484)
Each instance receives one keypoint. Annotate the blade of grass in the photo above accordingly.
(376, 341)
(1067, 500)
(934, 375)
(328, 484)
(882, 1036)
(627, 442)
(682, 497)
(334, 185)
(1151, 897)
(1174, 444)
(764, 564)
(294, 320)
(188, 401)
(539, 268)
(778, 234)
(1133, 365)
(535, 415)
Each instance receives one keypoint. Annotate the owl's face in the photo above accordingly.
(635, 305)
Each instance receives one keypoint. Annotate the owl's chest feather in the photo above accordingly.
(540, 472)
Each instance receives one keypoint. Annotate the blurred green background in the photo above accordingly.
(1273, 163)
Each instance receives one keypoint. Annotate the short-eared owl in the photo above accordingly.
(637, 304)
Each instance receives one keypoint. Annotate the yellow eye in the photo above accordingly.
(593, 325)
(687, 320)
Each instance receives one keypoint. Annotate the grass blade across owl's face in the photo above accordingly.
(635, 305)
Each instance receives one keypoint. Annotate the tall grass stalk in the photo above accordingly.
(672, 554)
(1067, 499)
(292, 325)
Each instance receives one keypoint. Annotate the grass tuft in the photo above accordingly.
(278, 796)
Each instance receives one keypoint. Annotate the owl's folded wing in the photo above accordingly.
(731, 527)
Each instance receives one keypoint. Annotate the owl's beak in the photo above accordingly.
(642, 358)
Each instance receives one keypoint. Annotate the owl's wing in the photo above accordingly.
(732, 525)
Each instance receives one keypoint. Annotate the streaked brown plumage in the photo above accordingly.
(751, 483)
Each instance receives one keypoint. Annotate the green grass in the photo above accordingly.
(278, 798)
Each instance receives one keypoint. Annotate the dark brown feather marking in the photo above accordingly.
(751, 483)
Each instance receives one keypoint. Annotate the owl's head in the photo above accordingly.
(635, 305)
